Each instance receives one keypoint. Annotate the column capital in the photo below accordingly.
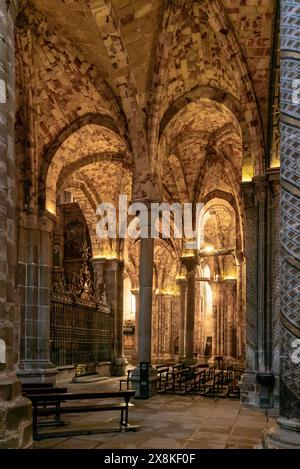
(261, 185)
(98, 260)
(114, 264)
(231, 282)
(109, 264)
(190, 263)
(47, 221)
(274, 179)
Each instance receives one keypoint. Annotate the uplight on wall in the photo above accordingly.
(51, 207)
(105, 254)
(247, 174)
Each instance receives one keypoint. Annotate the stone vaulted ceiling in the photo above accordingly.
(179, 90)
(141, 22)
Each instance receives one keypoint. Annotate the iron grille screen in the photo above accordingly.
(80, 331)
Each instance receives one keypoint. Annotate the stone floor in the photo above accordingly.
(167, 422)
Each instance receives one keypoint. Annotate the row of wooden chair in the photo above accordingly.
(199, 379)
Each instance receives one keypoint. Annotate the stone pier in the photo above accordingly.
(287, 434)
(15, 410)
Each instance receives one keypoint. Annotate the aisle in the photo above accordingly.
(169, 421)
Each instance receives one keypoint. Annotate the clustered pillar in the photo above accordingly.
(15, 411)
(110, 273)
(145, 381)
(182, 319)
(287, 434)
(190, 264)
(34, 281)
(114, 273)
(136, 295)
(258, 380)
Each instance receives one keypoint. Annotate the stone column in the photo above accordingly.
(136, 294)
(114, 270)
(190, 264)
(215, 285)
(240, 317)
(34, 281)
(263, 352)
(287, 434)
(158, 330)
(15, 411)
(258, 377)
(146, 387)
(99, 281)
(275, 277)
(182, 319)
(230, 285)
(249, 379)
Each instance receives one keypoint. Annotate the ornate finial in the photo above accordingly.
(103, 300)
(85, 251)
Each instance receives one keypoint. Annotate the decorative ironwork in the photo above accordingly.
(81, 319)
(80, 332)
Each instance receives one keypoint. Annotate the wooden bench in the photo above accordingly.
(199, 381)
(213, 385)
(163, 376)
(126, 380)
(50, 404)
(37, 385)
(52, 390)
(233, 388)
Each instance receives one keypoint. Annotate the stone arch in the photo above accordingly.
(218, 194)
(230, 102)
(100, 120)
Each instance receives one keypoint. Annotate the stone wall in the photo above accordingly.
(15, 411)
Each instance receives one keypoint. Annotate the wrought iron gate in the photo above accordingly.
(80, 331)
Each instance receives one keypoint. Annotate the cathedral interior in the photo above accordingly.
(161, 101)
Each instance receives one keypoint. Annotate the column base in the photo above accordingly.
(257, 389)
(144, 388)
(37, 372)
(118, 366)
(188, 361)
(284, 436)
(15, 414)
(250, 390)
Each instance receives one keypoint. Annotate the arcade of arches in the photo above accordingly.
(171, 101)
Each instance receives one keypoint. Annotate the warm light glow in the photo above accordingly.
(188, 253)
(209, 249)
(106, 254)
(247, 174)
(51, 207)
(165, 292)
(133, 304)
(275, 164)
(229, 278)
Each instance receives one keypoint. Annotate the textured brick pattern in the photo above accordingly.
(290, 203)
(15, 411)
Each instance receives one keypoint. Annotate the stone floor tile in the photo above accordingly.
(49, 443)
(163, 443)
(74, 443)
